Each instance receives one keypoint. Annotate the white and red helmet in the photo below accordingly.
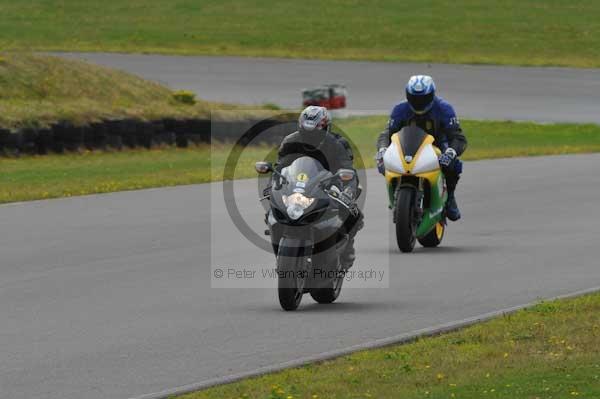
(314, 118)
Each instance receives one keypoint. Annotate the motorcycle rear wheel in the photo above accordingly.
(434, 237)
(329, 293)
(404, 217)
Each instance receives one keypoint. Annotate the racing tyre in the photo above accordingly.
(291, 261)
(434, 237)
(330, 292)
(404, 217)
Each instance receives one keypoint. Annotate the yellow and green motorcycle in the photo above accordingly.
(416, 188)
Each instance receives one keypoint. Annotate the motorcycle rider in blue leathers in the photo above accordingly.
(435, 116)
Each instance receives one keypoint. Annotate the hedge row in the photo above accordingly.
(129, 133)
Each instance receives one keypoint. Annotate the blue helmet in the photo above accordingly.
(420, 92)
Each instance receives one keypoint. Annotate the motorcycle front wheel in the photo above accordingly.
(291, 261)
(404, 217)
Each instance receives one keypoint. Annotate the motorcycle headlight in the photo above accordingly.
(297, 199)
(296, 204)
(295, 212)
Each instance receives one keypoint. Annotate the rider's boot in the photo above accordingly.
(348, 256)
(452, 211)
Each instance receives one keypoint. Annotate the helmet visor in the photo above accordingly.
(309, 124)
(419, 103)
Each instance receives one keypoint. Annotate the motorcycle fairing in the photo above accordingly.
(303, 176)
(422, 163)
(411, 140)
(424, 159)
(434, 213)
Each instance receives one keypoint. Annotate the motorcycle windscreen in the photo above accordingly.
(303, 174)
(411, 138)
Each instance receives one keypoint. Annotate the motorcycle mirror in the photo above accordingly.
(346, 174)
(263, 167)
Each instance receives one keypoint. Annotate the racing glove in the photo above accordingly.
(346, 197)
(379, 160)
(447, 157)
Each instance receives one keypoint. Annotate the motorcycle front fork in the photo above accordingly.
(419, 202)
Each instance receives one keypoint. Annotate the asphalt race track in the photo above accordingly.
(478, 92)
(109, 296)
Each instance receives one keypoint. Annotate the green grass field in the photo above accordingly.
(523, 32)
(53, 176)
(551, 350)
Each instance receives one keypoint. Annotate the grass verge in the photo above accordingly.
(53, 176)
(36, 90)
(551, 350)
(520, 32)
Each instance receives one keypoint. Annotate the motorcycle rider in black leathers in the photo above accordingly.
(436, 117)
(315, 139)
